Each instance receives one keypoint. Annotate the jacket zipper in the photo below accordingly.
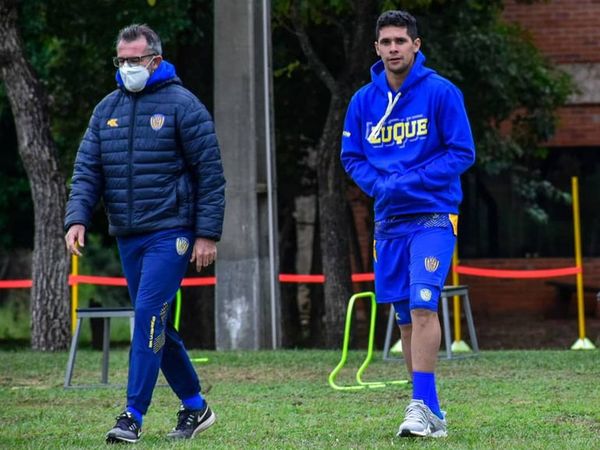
(130, 164)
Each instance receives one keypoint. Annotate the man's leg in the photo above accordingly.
(162, 270)
(195, 415)
(131, 250)
(403, 320)
(431, 255)
(406, 338)
(177, 367)
(425, 347)
(426, 339)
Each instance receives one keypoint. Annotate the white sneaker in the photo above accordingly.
(420, 421)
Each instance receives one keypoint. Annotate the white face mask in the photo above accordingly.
(135, 77)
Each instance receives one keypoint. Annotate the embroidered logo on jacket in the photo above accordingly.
(112, 123)
(157, 121)
(431, 263)
(181, 245)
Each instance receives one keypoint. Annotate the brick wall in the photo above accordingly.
(568, 33)
(578, 126)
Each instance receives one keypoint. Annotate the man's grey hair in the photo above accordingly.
(135, 31)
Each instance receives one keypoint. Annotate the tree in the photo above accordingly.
(28, 100)
(331, 184)
(503, 77)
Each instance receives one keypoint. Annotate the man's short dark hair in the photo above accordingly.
(135, 31)
(397, 18)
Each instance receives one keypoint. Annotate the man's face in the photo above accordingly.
(396, 49)
(139, 48)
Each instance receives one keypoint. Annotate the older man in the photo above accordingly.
(150, 152)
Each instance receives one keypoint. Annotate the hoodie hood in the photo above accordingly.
(418, 72)
(164, 72)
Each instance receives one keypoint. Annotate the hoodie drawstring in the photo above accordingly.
(391, 103)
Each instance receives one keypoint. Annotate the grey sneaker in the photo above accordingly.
(127, 429)
(420, 421)
(191, 422)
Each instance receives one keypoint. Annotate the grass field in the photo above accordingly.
(504, 399)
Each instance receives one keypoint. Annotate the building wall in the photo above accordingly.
(568, 33)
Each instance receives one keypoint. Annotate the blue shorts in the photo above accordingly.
(412, 256)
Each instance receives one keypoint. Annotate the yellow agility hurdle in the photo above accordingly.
(360, 384)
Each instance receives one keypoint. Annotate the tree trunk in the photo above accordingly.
(291, 335)
(334, 227)
(49, 295)
(333, 219)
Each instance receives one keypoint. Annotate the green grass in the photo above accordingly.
(505, 400)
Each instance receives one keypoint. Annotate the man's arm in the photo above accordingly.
(86, 187)
(203, 160)
(353, 157)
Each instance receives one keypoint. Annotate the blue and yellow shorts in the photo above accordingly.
(412, 256)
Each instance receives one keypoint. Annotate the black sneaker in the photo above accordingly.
(190, 422)
(127, 429)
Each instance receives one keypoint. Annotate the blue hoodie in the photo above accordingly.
(407, 149)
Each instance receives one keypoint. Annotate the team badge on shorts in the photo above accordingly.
(157, 121)
(425, 294)
(432, 264)
(181, 245)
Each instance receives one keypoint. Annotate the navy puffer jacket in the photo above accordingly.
(153, 158)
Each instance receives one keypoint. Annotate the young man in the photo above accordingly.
(406, 141)
(150, 152)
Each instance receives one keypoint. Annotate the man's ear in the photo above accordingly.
(156, 61)
(377, 48)
(417, 44)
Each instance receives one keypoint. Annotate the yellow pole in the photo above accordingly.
(74, 292)
(578, 259)
(455, 281)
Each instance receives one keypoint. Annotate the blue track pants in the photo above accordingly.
(154, 265)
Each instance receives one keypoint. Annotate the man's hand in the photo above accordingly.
(204, 253)
(75, 238)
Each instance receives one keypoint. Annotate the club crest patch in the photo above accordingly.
(431, 263)
(181, 245)
(425, 294)
(157, 121)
